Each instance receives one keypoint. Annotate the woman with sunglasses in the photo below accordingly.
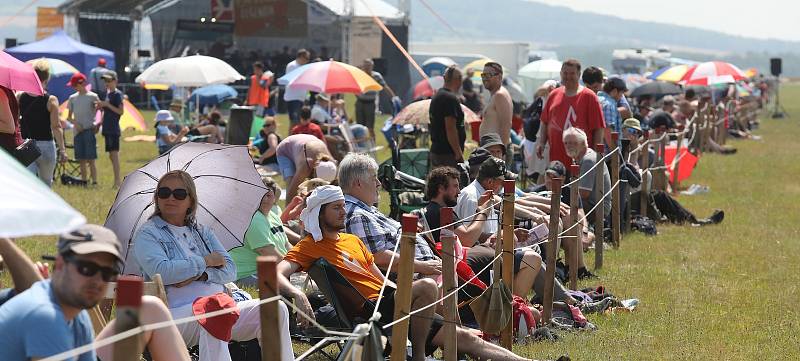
(267, 144)
(193, 264)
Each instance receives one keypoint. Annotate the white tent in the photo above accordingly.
(532, 76)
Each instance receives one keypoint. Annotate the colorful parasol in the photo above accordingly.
(712, 72)
(16, 75)
(58, 67)
(670, 73)
(330, 77)
(131, 117)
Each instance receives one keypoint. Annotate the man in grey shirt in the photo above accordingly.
(577, 149)
(82, 110)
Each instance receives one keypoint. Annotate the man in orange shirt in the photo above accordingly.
(323, 218)
(258, 94)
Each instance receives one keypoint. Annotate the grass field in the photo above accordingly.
(720, 292)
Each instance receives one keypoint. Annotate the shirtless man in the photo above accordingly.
(497, 114)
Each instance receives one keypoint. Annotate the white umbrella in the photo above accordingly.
(534, 74)
(190, 71)
(29, 207)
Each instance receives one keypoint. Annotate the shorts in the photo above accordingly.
(387, 316)
(482, 255)
(85, 145)
(112, 143)
(286, 167)
(365, 113)
(6, 294)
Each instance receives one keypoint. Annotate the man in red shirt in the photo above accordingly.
(306, 126)
(571, 105)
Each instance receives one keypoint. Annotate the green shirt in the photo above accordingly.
(263, 231)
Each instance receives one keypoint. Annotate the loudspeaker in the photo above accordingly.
(775, 66)
(239, 123)
(143, 53)
(381, 65)
(11, 42)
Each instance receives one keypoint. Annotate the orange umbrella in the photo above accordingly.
(131, 117)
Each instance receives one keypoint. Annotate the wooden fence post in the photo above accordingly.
(552, 251)
(598, 213)
(405, 271)
(676, 183)
(644, 163)
(267, 269)
(447, 237)
(507, 335)
(572, 235)
(129, 301)
(614, 172)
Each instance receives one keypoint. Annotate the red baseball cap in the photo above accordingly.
(77, 78)
(101, 61)
(218, 326)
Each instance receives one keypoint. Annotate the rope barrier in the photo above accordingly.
(458, 221)
(602, 161)
(586, 214)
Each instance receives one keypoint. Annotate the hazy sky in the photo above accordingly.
(739, 17)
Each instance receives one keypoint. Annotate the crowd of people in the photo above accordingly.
(331, 210)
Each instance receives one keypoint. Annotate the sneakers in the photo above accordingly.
(584, 273)
(597, 307)
(717, 217)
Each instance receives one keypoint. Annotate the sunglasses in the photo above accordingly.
(179, 193)
(486, 75)
(633, 131)
(89, 269)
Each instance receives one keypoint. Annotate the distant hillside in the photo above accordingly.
(590, 36)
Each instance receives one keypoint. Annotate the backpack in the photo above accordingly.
(531, 119)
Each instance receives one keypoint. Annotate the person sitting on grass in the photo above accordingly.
(210, 130)
(44, 317)
(165, 138)
(325, 220)
(195, 268)
(267, 144)
(266, 236)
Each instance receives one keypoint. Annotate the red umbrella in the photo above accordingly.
(16, 75)
(686, 166)
(427, 87)
(712, 72)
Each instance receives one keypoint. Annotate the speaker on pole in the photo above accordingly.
(775, 66)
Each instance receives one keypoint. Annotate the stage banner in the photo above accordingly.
(48, 21)
(271, 18)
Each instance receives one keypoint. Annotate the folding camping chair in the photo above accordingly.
(351, 307)
(69, 172)
(366, 146)
(406, 192)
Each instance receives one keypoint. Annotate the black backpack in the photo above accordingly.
(531, 122)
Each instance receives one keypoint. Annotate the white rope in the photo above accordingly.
(454, 223)
(599, 202)
(602, 161)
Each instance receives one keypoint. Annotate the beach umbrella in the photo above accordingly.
(673, 73)
(534, 74)
(211, 95)
(29, 207)
(16, 75)
(712, 72)
(58, 67)
(418, 113)
(476, 65)
(229, 190)
(656, 89)
(330, 77)
(427, 87)
(131, 116)
(189, 71)
(437, 65)
(686, 166)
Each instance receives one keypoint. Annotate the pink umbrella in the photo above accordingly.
(16, 75)
(712, 72)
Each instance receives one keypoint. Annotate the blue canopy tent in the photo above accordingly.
(61, 46)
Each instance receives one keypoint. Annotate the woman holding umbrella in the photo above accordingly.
(195, 267)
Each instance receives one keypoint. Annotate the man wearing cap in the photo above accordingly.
(96, 76)
(498, 113)
(82, 109)
(50, 317)
(176, 110)
(447, 129)
(609, 97)
(165, 138)
(111, 105)
(324, 218)
(569, 106)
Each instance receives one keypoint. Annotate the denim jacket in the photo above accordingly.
(156, 251)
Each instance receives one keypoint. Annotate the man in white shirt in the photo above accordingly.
(294, 97)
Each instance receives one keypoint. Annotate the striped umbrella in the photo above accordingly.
(330, 77)
(670, 73)
(58, 67)
(712, 72)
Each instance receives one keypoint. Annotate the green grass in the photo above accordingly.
(720, 292)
